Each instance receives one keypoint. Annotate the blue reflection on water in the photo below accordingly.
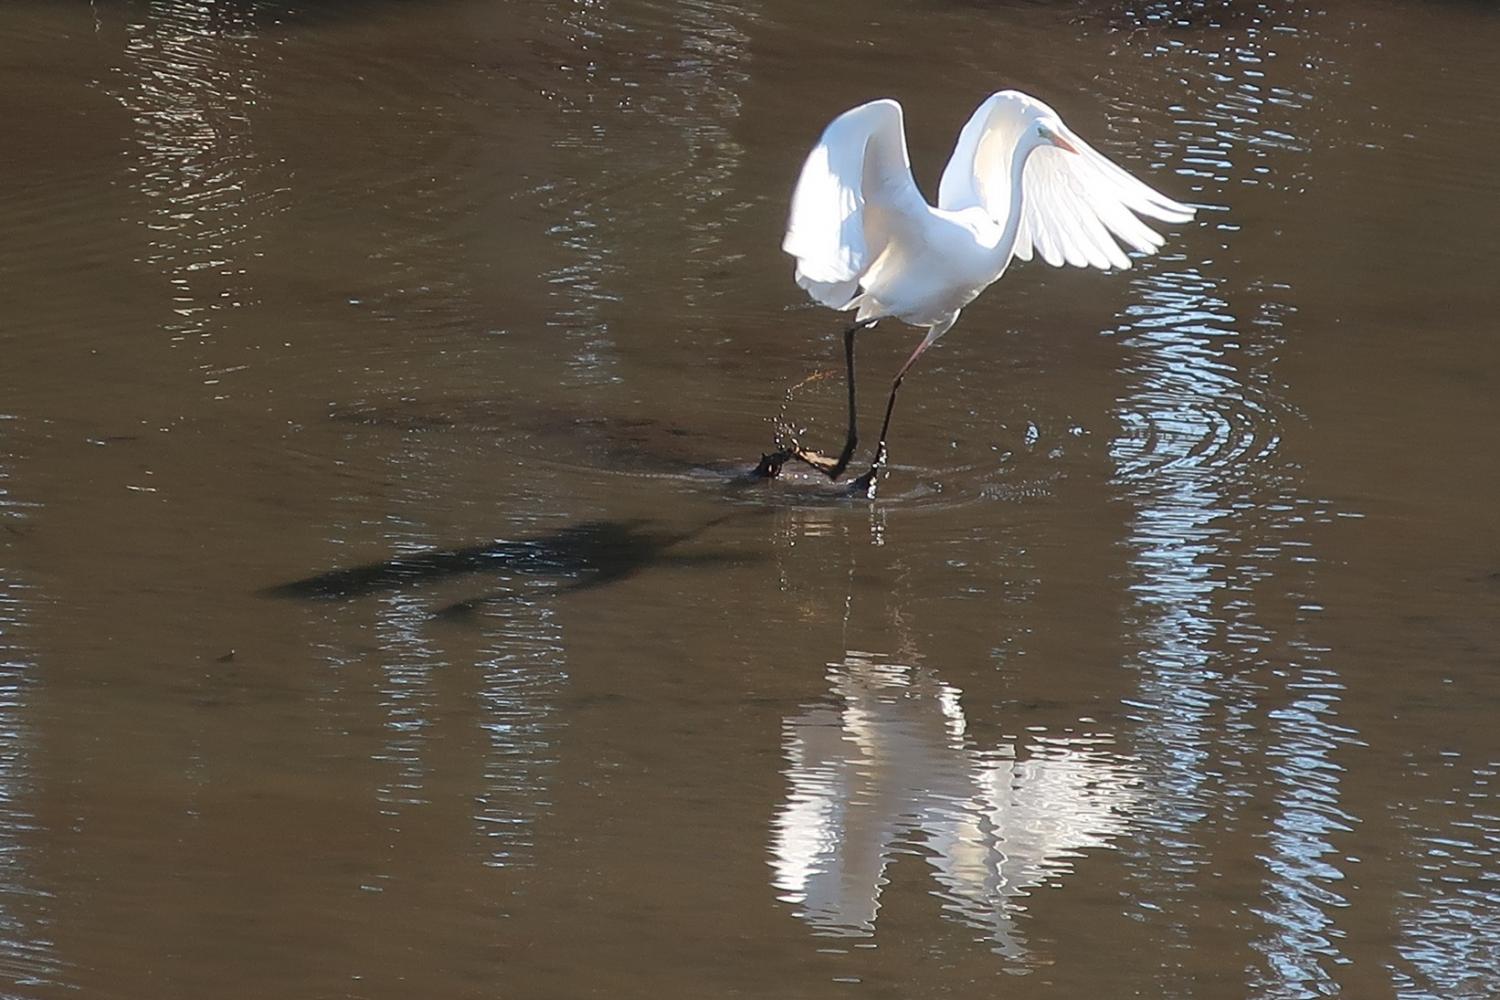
(1237, 705)
(1219, 548)
(1448, 915)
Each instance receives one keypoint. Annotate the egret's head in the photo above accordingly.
(1051, 133)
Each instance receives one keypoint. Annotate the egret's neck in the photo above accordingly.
(980, 178)
(1013, 202)
(1003, 230)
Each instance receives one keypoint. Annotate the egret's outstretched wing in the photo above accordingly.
(1076, 207)
(855, 196)
(1075, 204)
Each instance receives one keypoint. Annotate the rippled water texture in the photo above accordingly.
(383, 612)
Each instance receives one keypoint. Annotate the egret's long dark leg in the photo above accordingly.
(866, 483)
(834, 467)
(851, 437)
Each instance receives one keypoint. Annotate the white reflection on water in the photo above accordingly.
(883, 768)
(27, 957)
(647, 156)
(190, 85)
(519, 670)
(409, 658)
(521, 665)
(525, 669)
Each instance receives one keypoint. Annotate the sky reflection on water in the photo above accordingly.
(1449, 915)
(1221, 527)
(190, 83)
(27, 956)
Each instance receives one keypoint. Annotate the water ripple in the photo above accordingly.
(1229, 675)
(27, 949)
(525, 672)
(1191, 407)
(1449, 917)
(191, 82)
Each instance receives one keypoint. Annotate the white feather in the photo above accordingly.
(854, 198)
(1074, 206)
(864, 237)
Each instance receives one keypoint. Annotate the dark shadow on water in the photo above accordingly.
(585, 555)
(624, 445)
(616, 443)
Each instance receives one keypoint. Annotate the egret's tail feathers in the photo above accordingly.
(833, 294)
(869, 308)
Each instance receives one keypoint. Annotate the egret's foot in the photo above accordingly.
(770, 465)
(830, 467)
(865, 485)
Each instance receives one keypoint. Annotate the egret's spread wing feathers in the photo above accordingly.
(1076, 207)
(855, 195)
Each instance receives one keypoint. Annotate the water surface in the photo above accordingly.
(380, 615)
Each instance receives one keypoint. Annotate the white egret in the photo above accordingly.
(1019, 183)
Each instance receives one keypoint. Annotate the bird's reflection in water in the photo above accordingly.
(884, 767)
(585, 555)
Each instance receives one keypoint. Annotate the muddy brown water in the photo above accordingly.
(379, 616)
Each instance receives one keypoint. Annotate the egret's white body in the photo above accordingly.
(866, 239)
(1019, 183)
